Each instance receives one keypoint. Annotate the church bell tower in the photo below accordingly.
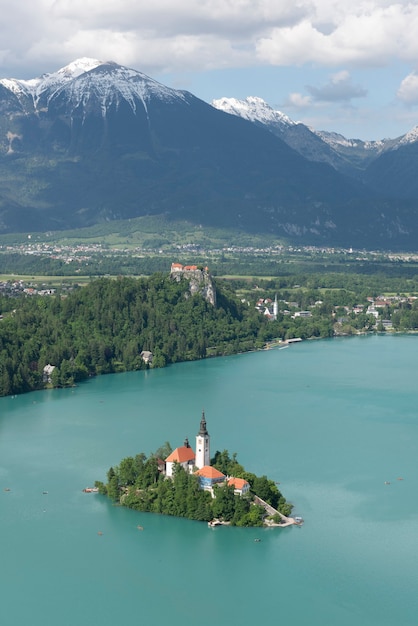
(202, 444)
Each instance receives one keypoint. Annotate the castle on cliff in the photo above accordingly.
(198, 463)
(199, 278)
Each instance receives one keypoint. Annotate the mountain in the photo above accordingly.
(98, 141)
(298, 136)
(350, 156)
(357, 152)
(394, 173)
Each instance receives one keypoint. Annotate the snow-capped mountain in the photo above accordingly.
(410, 137)
(296, 134)
(350, 156)
(86, 78)
(98, 141)
(254, 109)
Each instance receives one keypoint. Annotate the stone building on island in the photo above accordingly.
(199, 463)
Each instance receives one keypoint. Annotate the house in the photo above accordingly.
(209, 476)
(146, 356)
(184, 456)
(372, 311)
(47, 373)
(241, 486)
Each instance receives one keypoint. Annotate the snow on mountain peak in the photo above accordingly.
(254, 109)
(85, 77)
(79, 66)
(36, 86)
(111, 83)
(410, 137)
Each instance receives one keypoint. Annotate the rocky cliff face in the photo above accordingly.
(200, 280)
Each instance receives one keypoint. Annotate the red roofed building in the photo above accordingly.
(209, 476)
(199, 463)
(240, 485)
(183, 456)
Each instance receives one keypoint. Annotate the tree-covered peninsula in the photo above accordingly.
(108, 325)
(140, 483)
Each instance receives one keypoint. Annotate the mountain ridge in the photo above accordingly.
(347, 155)
(97, 141)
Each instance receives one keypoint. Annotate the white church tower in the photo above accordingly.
(275, 308)
(202, 445)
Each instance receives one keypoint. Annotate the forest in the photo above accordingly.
(138, 483)
(103, 328)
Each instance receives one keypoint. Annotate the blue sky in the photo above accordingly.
(346, 66)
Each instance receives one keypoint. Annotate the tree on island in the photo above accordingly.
(138, 483)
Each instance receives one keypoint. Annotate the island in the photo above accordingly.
(189, 483)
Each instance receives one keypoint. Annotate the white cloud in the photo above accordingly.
(338, 89)
(165, 17)
(163, 35)
(357, 33)
(408, 90)
(298, 101)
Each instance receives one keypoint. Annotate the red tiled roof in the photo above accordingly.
(181, 455)
(207, 471)
(238, 483)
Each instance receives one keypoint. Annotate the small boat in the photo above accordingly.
(257, 540)
(298, 520)
(6, 489)
(44, 493)
(90, 490)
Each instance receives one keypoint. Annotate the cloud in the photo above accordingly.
(298, 101)
(184, 17)
(348, 33)
(164, 35)
(338, 89)
(161, 35)
(408, 90)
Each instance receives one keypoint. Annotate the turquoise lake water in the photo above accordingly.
(332, 421)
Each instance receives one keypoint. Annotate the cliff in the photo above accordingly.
(199, 279)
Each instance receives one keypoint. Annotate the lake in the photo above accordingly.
(334, 421)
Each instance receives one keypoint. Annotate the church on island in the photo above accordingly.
(199, 463)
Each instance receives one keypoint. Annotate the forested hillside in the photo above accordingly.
(103, 328)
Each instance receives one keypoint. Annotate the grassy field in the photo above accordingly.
(52, 281)
(148, 232)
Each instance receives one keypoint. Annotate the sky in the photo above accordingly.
(348, 66)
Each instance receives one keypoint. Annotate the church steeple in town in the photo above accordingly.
(202, 444)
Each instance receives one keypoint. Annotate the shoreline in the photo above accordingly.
(271, 345)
